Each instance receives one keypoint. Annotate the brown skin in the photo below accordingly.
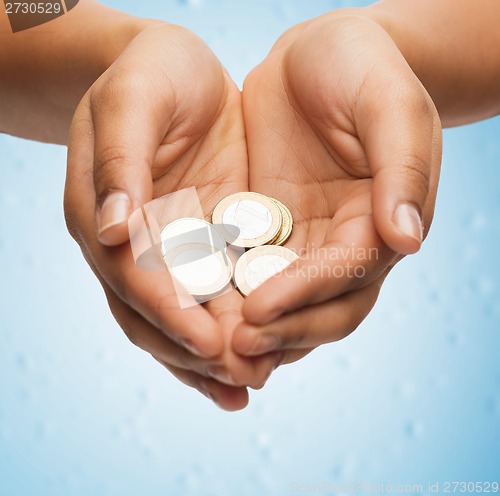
(171, 130)
(317, 138)
(453, 48)
(352, 134)
(46, 70)
(325, 150)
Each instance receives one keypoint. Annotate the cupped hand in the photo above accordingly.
(338, 127)
(164, 116)
(341, 130)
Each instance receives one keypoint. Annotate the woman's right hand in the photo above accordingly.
(163, 117)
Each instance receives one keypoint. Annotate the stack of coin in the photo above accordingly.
(195, 250)
(248, 220)
(286, 224)
(263, 224)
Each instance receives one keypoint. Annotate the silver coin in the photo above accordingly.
(286, 224)
(259, 264)
(190, 230)
(201, 269)
(247, 219)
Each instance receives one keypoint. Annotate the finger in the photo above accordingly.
(254, 374)
(140, 101)
(387, 118)
(234, 369)
(352, 258)
(401, 134)
(233, 372)
(265, 365)
(226, 397)
(143, 335)
(129, 125)
(293, 355)
(309, 327)
(154, 296)
(151, 294)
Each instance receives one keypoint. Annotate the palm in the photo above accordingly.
(313, 160)
(201, 143)
(327, 189)
(216, 164)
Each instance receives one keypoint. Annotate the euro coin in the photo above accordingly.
(286, 225)
(202, 270)
(194, 252)
(247, 220)
(190, 230)
(259, 264)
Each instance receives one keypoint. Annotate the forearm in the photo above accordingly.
(45, 71)
(453, 46)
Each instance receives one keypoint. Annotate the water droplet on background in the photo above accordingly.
(493, 406)
(414, 429)
(456, 338)
(191, 3)
(404, 390)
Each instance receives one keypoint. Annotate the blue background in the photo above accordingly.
(412, 397)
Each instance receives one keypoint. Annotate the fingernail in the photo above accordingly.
(408, 221)
(264, 344)
(188, 344)
(114, 211)
(220, 374)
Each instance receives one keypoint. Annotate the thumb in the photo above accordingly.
(402, 140)
(127, 137)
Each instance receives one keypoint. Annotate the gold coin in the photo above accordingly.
(286, 225)
(247, 219)
(259, 264)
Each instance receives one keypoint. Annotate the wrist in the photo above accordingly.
(403, 35)
(46, 70)
(119, 37)
(407, 37)
(398, 29)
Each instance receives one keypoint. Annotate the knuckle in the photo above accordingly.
(121, 286)
(356, 313)
(415, 172)
(133, 336)
(201, 384)
(187, 377)
(168, 353)
(183, 360)
(71, 219)
(260, 381)
(131, 331)
(292, 339)
(162, 305)
(109, 94)
(72, 206)
(109, 167)
(259, 385)
(410, 92)
(423, 106)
